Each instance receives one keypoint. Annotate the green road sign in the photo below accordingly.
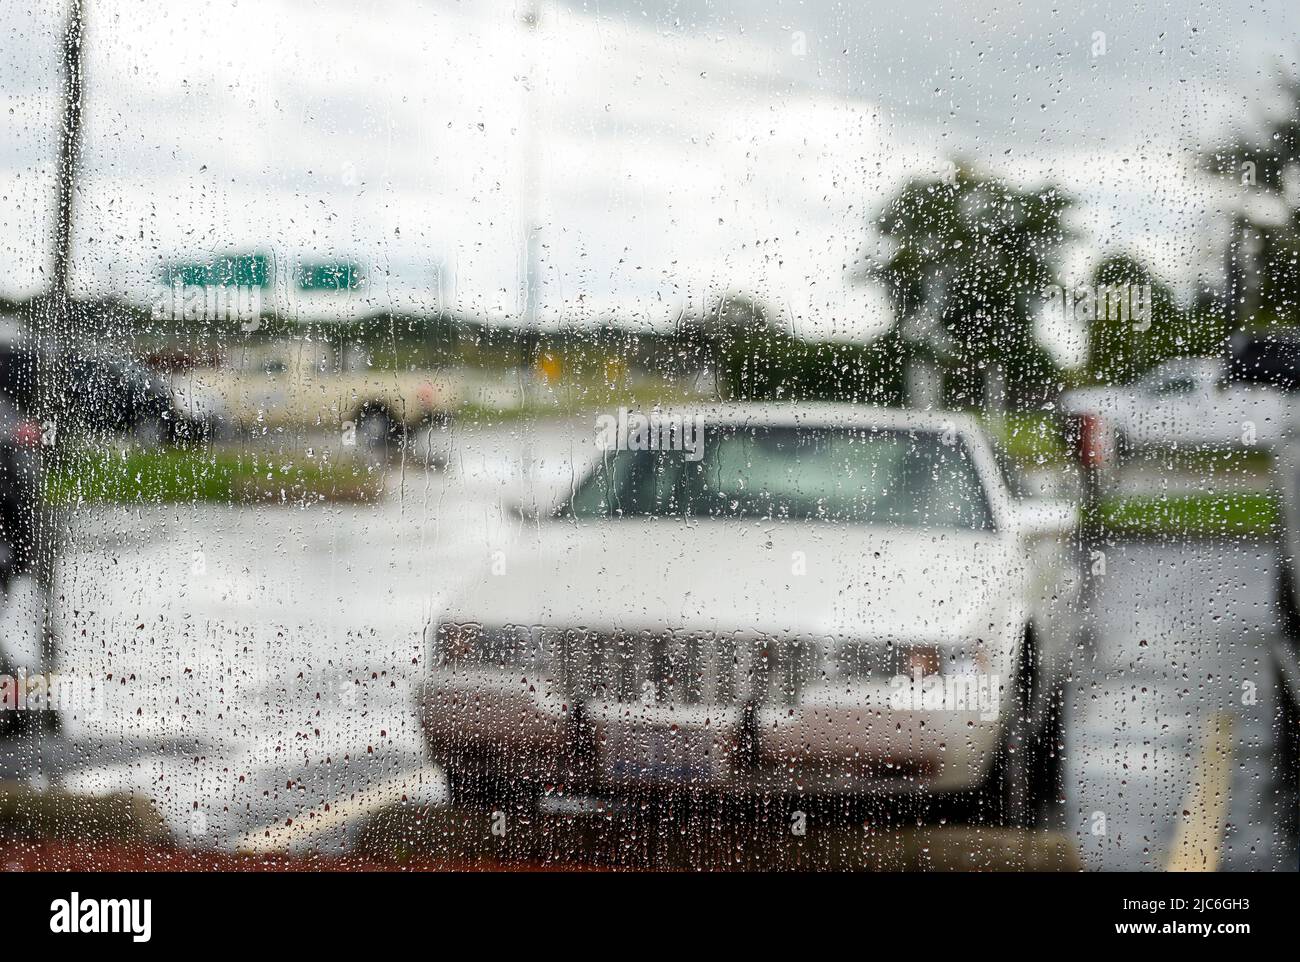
(330, 277)
(231, 270)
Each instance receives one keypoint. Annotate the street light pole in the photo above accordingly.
(67, 161)
(53, 321)
(530, 188)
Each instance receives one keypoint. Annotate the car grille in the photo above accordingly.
(663, 667)
(687, 668)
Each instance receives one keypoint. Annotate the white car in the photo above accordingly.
(1286, 644)
(1286, 466)
(1183, 403)
(811, 599)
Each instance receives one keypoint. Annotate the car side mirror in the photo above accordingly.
(1042, 517)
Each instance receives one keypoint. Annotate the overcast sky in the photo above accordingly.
(681, 149)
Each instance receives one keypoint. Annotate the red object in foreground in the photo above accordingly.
(1092, 440)
(26, 434)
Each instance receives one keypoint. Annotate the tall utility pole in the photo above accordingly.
(67, 161)
(529, 204)
(530, 200)
(52, 324)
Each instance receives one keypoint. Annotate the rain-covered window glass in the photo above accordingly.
(612, 434)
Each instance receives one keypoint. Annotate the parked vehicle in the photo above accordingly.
(1269, 358)
(20, 629)
(115, 394)
(18, 376)
(305, 384)
(816, 600)
(1186, 404)
(1286, 646)
(1287, 474)
(20, 461)
(94, 394)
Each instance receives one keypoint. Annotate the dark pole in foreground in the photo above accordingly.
(69, 151)
(52, 323)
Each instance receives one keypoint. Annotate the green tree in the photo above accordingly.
(1261, 253)
(751, 358)
(972, 257)
(736, 344)
(1119, 348)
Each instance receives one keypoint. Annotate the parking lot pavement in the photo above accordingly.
(285, 673)
(1173, 738)
(259, 665)
(259, 662)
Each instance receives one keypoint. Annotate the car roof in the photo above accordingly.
(819, 414)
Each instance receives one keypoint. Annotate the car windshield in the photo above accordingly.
(861, 476)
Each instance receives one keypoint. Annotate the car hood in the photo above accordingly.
(722, 576)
